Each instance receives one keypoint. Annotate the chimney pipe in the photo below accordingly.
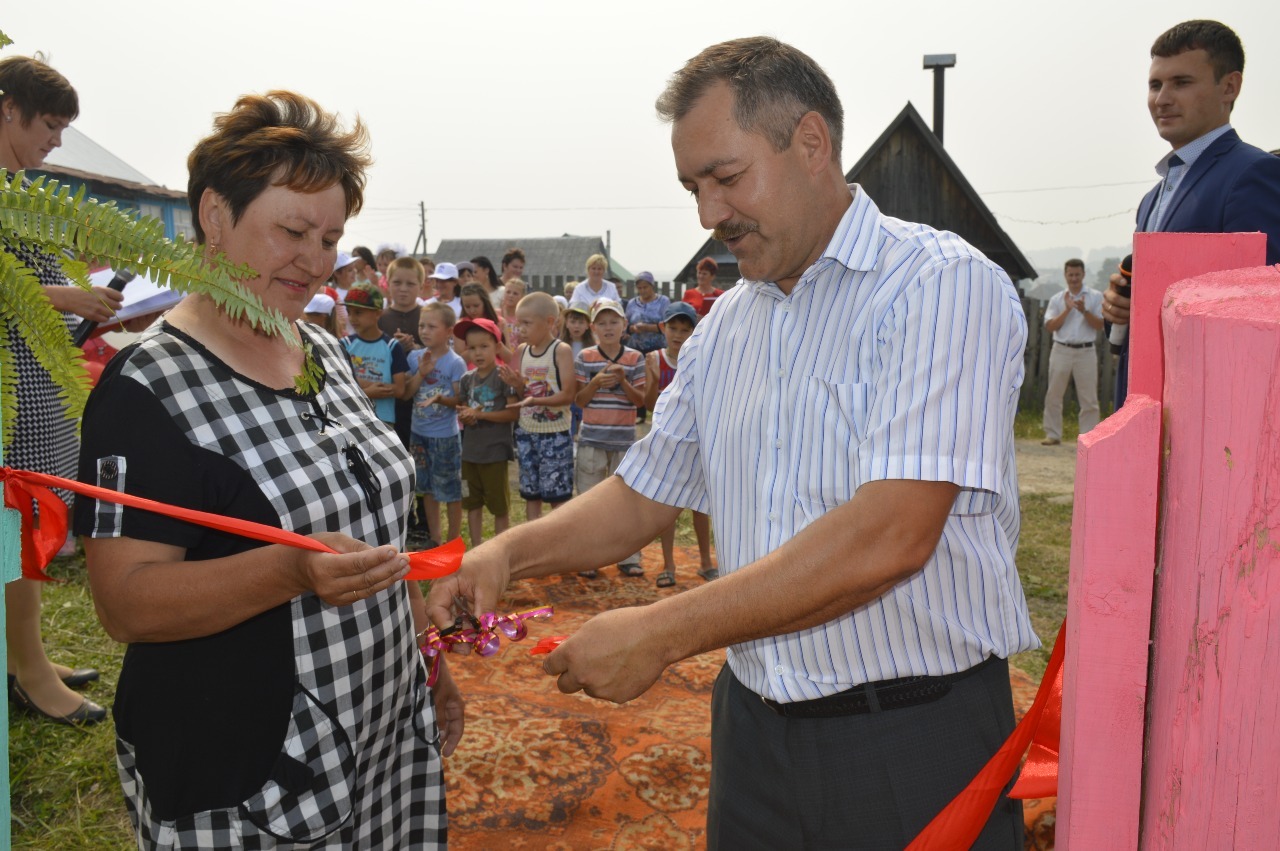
(939, 62)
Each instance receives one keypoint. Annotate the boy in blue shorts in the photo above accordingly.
(378, 361)
(660, 370)
(435, 374)
(486, 408)
(543, 374)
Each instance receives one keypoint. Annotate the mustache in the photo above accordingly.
(733, 230)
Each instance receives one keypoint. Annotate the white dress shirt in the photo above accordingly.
(897, 355)
(1074, 329)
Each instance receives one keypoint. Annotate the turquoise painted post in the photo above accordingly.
(10, 569)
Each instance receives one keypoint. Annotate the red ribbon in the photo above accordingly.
(546, 645)
(1039, 776)
(960, 822)
(26, 488)
(484, 639)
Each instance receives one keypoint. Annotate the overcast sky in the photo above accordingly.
(512, 118)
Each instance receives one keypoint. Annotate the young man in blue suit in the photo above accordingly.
(1211, 181)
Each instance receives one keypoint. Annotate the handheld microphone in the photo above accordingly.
(1120, 333)
(87, 326)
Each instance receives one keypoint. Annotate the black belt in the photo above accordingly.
(883, 696)
(1076, 345)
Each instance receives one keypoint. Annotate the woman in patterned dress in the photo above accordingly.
(38, 104)
(269, 695)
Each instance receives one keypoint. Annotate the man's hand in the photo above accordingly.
(1115, 307)
(612, 657)
(406, 341)
(484, 575)
(356, 572)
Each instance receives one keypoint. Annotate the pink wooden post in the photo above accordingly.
(1104, 681)
(1212, 777)
(1161, 260)
(1101, 793)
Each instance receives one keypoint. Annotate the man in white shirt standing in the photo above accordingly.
(845, 414)
(1073, 317)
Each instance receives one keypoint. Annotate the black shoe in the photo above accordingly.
(87, 713)
(79, 678)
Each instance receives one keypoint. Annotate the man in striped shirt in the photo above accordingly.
(846, 416)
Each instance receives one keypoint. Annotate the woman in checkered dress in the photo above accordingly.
(270, 696)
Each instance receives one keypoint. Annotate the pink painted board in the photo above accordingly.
(1113, 535)
(1212, 776)
(1161, 260)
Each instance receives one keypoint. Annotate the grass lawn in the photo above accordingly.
(65, 794)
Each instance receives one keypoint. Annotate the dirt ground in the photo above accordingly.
(1046, 469)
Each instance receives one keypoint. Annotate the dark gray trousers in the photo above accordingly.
(868, 781)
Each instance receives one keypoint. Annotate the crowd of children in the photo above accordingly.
(474, 376)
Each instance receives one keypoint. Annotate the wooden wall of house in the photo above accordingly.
(906, 181)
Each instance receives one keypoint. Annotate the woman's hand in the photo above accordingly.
(450, 708)
(98, 304)
(357, 571)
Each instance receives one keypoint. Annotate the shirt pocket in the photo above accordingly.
(308, 794)
(830, 426)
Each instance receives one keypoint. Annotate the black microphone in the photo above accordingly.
(87, 326)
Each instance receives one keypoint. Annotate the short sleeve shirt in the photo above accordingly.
(609, 419)
(897, 355)
(487, 442)
(377, 360)
(1074, 330)
(431, 419)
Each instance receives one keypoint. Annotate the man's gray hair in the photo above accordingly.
(773, 86)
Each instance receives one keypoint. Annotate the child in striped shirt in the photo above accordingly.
(610, 387)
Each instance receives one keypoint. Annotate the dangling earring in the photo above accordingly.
(9, 117)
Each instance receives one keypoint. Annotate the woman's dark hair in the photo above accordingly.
(479, 292)
(366, 255)
(280, 138)
(487, 265)
(37, 89)
(512, 254)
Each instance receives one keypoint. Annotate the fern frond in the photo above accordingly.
(24, 304)
(46, 214)
(5, 41)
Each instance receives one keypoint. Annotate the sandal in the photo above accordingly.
(666, 579)
(709, 573)
(588, 574)
(631, 570)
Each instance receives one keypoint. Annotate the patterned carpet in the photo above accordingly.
(542, 770)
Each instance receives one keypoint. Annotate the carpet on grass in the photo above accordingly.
(538, 769)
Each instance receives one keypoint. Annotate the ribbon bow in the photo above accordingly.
(483, 635)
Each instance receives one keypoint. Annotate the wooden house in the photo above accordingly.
(550, 262)
(83, 162)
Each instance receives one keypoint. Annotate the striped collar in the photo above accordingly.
(855, 244)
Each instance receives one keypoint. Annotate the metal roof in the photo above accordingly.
(81, 153)
(555, 255)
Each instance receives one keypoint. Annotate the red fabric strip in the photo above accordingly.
(426, 564)
(960, 822)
